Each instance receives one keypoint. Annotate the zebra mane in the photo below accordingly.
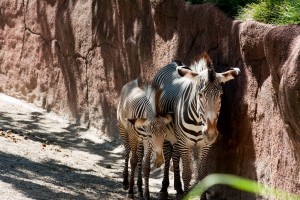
(157, 97)
(203, 62)
(178, 62)
(152, 94)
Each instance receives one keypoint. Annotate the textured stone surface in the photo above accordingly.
(74, 56)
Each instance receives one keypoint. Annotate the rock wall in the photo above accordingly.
(73, 57)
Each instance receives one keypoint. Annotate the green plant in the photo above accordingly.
(268, 11)
(272, 12)
(230, 7)
(239, 183)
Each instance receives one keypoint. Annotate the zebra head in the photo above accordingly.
(209, 92)
(156, 126)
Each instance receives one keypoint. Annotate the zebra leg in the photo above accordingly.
(177, 180)
(125, 172)
(133, 164)
(163, 194)
(202, 165)
(124, 136)
(140, 155)
(185, 155)
(203, 161)
(146, 171)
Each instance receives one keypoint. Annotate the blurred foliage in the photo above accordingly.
(241, 184)
(267, 11)
(231, 7)
(272, 12)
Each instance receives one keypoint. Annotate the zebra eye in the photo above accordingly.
(200, 95)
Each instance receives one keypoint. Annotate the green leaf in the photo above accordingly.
(239, 183)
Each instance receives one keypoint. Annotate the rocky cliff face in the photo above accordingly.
(74, 56)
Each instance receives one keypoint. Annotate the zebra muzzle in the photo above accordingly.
(159, 160)
(210, 131)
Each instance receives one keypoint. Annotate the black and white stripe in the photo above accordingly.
(139, 102)
(194, 99)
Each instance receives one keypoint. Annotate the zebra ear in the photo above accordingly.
(228, 75)
(139, 122)
(186, 73)
(167, 118)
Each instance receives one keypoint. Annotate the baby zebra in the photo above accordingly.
(142, 129)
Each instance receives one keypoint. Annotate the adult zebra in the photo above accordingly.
(193, 94)
(140, 125)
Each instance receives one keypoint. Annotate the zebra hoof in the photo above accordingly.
(140, 196)
(125, 186)
(129, 196)
(163, 196)
(179, 196)
(203, 197)
(208, 195)
(146, 196)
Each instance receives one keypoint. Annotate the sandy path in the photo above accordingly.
(44, 156)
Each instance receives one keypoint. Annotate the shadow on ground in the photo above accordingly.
(63, 182)
(52, 178)
(44, 156)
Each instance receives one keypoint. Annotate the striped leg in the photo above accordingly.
(185, 155)
(163, 194)
(140, 155)
(133, 164)
(202, 164)
(124, 136)
(146, 170)
(203, 161)
(125, 172)
(177, 180)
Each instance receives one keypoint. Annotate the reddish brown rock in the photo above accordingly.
(282, 46)
(73, 57)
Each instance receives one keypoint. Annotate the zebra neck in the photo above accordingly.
(192, 109)
(195, 110)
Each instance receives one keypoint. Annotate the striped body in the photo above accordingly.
(135, 103)
(180, 97)
(142, 130)
(193, 94)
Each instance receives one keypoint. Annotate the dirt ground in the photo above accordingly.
(44, 156)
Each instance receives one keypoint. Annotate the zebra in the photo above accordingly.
(193, 94)
(141, 129)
